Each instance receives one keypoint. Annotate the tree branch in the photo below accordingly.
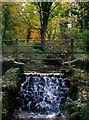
(54, 7)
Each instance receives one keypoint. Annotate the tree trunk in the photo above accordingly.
(28, 36)
(42, 32)
(44, 11)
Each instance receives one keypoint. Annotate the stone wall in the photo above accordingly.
(10, 63)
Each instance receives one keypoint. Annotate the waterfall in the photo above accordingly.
(43, 94)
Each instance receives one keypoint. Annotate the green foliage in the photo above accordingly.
(77, 74)
(6, 109)
(73, 33)
(86, 40)
(83, 15)
(78, 110)
(9, 103)
(8, 30)
(57, 49)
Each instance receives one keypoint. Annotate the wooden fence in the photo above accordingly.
(22, 51)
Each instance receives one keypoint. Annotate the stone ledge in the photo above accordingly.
(31, 118)
(10, 63)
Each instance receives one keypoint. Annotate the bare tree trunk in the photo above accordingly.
(28, 36)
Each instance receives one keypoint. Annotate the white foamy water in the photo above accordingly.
(42, 95)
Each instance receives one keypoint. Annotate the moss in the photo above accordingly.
(10, 93)
(11, 77)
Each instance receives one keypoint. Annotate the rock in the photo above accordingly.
(67, 82)
(19, 65)
(11, 77)
(58, 115)
(31, 118)
(10, 63)
(78, 63)
(10, 90)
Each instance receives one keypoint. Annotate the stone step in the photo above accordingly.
(57, 118)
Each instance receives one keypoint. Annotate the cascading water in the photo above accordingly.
(42, 95)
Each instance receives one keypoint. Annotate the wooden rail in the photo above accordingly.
(16, 51)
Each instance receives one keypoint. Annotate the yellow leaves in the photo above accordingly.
(35, 35)
(14, 9)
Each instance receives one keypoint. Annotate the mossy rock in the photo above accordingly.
(10, 63)
(82, 64)
(11, 77)
(10, 89)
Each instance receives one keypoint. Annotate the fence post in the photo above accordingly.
(72, 49)
(16, 48)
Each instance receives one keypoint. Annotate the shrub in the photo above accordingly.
(78, 110)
